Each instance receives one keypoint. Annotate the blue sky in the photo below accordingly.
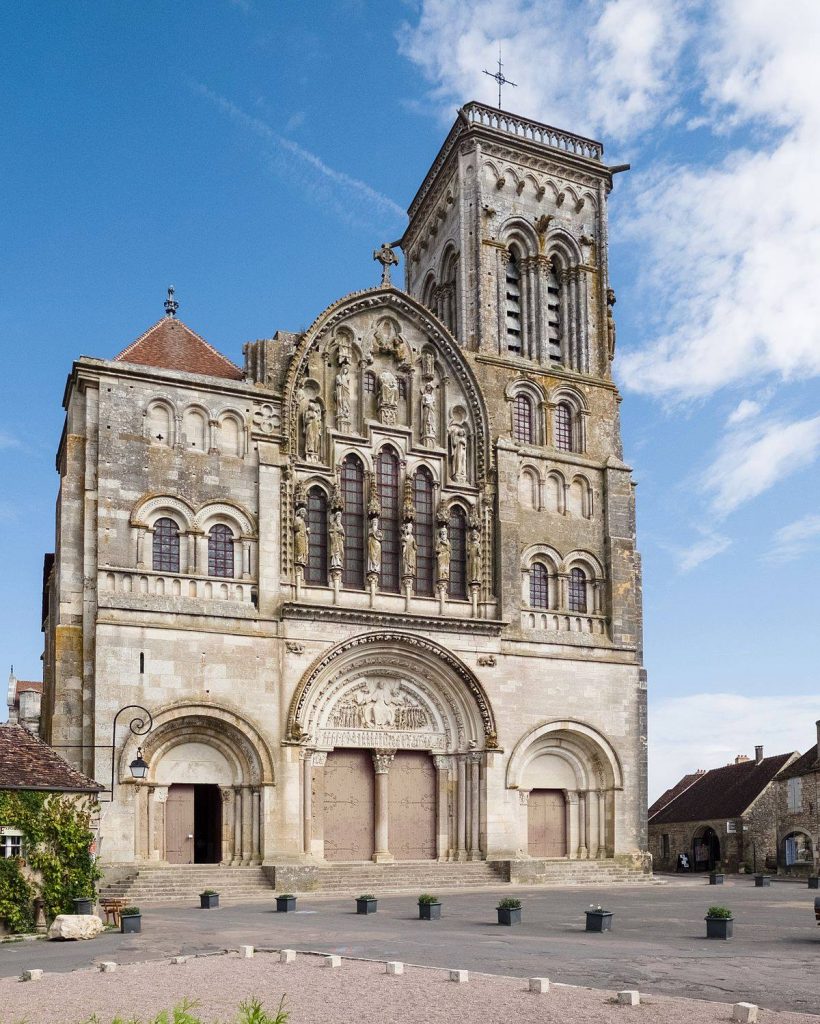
(253, 154)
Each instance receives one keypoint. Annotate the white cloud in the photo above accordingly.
(709, 545)
(795, 539)
(8, 441)
(753, 458)
(707, 730)
(744, 411)
(352, 196)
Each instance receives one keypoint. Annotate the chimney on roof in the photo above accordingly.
(758, 754)
(741, 758)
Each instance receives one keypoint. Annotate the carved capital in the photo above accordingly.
(382, 759)
(442, 762)
(320, 759)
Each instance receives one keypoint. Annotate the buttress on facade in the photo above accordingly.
(379, 588)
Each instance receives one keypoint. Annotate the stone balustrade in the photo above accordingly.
(544, 134)
(145, 582)
(563, 621)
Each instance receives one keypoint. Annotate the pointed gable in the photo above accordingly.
(171, 345)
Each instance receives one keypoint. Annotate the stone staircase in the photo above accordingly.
(161, 883)
(353, 879)
(562, 872)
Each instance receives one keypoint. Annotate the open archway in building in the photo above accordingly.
(705, 849)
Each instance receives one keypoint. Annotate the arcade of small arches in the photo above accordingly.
(573, 583)
(555, 492)
(195, 428)
(556, 421)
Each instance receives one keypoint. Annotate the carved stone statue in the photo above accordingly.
(458, 451)
(343, 397)
(443, 555)
(336, 533)
(374, 546)
(301, 535)
(428, 365)
(388, 398)
(610, 322)
(312, 420)
(474, 556)
(408, 551)
(428, 416)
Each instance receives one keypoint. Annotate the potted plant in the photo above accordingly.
(761, 880)
(509, 911)
(814, 881)
(719, 923)
(208, 899)
(716, 877)
(598, 919)
(130, 920)
(429, 907)
(285, 903)
(367, 904)
(83, 905)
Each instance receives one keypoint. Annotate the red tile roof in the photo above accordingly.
(171, 345)
(722, 792)
(28, 763)
(804, 765)
(675, 791)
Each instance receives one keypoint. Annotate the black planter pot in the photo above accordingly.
(762, 880)
(814, 881)
(599, 920)
(285, 904)
(509, 915)
(719, 927)
(130, 923)
(429, 911)
(367, 906)
(208, 900)
(716, 878)
(83, 906)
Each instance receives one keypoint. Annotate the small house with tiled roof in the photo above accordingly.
(798, 814)
(724, 816)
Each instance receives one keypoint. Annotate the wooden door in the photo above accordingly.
(547, 823)
(412, 821)
(179, 825)
(348, 805)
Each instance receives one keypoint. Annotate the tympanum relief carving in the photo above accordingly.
(384, 704)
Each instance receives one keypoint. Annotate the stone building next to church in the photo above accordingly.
(378, 588)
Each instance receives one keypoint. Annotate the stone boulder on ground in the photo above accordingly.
(75, 926)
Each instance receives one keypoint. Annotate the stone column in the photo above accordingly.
(442, 764)
(382, 760)
(201, 542)
(602, 824)
(592, 822)
(141, 547)
(152, 825)
(572, 825)
(226, 792)
(475, 807)
(524, 822)
(461, 795)
(318, 815)
(256, 835)
(582, 826)
(237, 825)
(247, 825)
(307, 800)
(213, 427)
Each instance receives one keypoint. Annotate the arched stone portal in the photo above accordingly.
(399, 717)
(566, 768)
(207, 792)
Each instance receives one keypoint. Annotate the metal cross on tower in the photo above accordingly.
(171, 305)
(499, 77)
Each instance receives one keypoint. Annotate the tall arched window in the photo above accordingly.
(523, 419)
(447, 304)
(539, 586)
(316, 568)
(387, 482)
(352, 480)
(553, 316)
(563, 427)
(457, 532)
(220, 551)
(513, 304)
(425, 532)
(166, 546)
(577, 590)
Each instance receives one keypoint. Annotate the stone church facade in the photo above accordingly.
(378, 589)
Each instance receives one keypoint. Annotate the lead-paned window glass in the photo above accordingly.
(220, 551)
(577, 590)
(353, 521)
(539, 586)
(166, 546)
(522, 419)
(563, 427)
(457, 532)
(387, 483)
(316, 569)
(425, 532)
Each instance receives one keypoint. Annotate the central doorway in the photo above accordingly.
(193, 824)
(412, 819)
(547, 823)
(348, 805)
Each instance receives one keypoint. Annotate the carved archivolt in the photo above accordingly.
(591, 754)
(391, 689)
